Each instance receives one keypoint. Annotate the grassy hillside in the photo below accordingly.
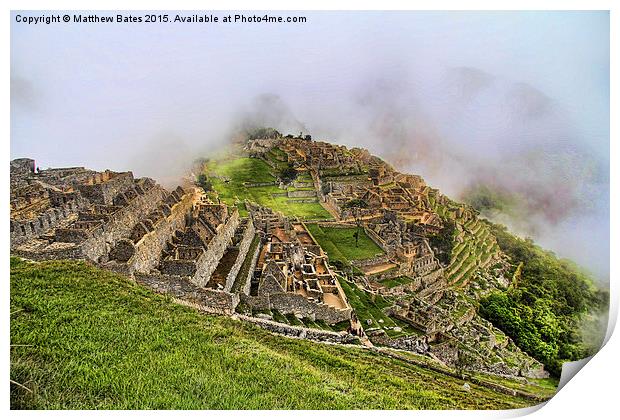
(85, 338)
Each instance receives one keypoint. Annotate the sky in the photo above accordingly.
(515, 100)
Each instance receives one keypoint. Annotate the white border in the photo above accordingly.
(593, 394)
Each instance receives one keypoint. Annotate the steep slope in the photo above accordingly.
(85, 338)
(470, 272)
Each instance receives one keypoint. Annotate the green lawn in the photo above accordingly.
(396, 281)
(241, 170)
(341, 243)
(370, 307)
(244, 271)
(84, 338)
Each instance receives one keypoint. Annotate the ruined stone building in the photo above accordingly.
(396, 214)
(176, 242)
(182, 244)
(173, 240)
(292, 274)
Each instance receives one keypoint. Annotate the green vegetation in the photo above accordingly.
(486, 199)
(84, 338)
(244, 271)
(339, 243)
(279, 154)
(549, 301)
(476, 249)
(242, 170)
(543, 308)
(473, 250)
(396, 281)
(443, 242)
(204, 183)
(232, 188)
(287, 174)
(370, 307)
(356, 205)
(262, 133)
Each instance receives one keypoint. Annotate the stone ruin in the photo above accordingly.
(180, 243)
(292, 274)
(176, 242)
(171, 241)
(398, 215)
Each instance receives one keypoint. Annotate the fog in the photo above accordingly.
(518, 101)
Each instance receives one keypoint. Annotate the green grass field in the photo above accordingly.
(370, 307)
(396, 281)
(242, 170)
(339, 243)
(84, 338)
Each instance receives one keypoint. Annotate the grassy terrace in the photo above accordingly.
(396, 281)
(249, 170)
(370, 307)
(476, 250)
(90, 339)
(244, 271)
(339, 243)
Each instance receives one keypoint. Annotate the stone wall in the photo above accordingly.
(292, 303)
(259, 303)
(54, 251)
(94, 247)
(378, 240)
(22, 231)
(260, 146)
(248, 281)
(148, 249)
(410, 287)
(209, 261)
(22, 167)
(447, 352)
(410, 343)
(304, 200)
(182, 288)
(368, 262)
(301, 193)
(303, 184)
(244, 246)
(431, 282)
(390, 273)
(99, 241)
(337, 225)
(105, 192)
(122, 222)
(259, 184)
(301, 332)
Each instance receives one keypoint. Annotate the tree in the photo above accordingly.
(444, 241)
(356, 205)
(262, 133)
(287, 174)
(204, 183)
